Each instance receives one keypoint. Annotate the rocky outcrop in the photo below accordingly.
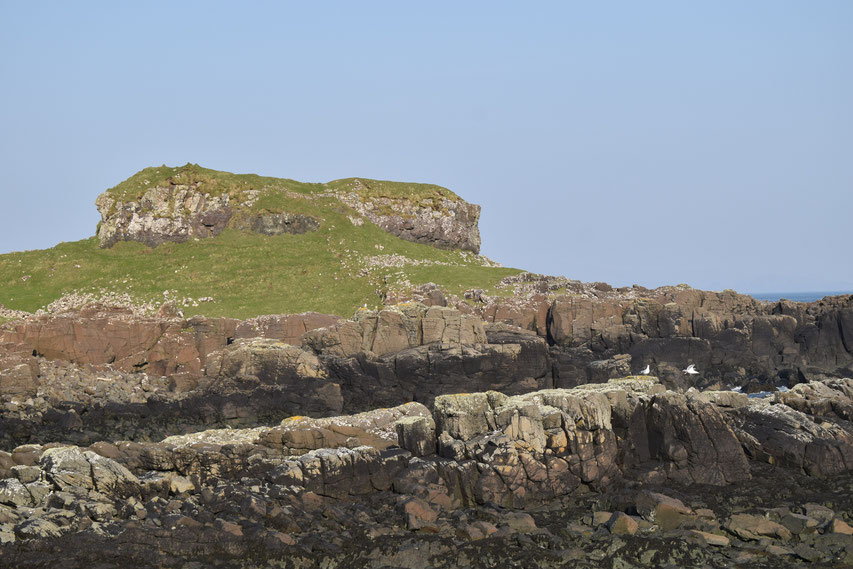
(441, 221)
(131, 377)
(595, 331)
(171, 346)
(200, 205)
(373, 485)
(414, 353)
(174, 212)
(409, 352)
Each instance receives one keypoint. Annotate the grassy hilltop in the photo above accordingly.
(334, 270)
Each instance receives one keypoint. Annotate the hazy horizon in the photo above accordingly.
(662, 143)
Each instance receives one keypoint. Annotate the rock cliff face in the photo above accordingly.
(179, 212)
(596, 332)
(199, 371)
(170, 213)
(178, 209)
(104, 373)
(438, 221)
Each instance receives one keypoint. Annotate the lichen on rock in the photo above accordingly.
(191, 202)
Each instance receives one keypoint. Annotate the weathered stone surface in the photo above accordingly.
(438, 221)
(712, 538)
(182, 208)
(376, 428)
(269, 361)
(72, 470)
(68, 468)
(289, 328)
(17, 381)
(396, 329)
(730, 337)
(750, 527)
(417, 513)
(694, 438)
(780, 435)
(527, 451)
(173, 212)
(621, 523)
(14, 493)
(414, 352)
(111, 478)
(665, 511)
(162, 346)
(416, 435)
(37, 528)
(840, 527)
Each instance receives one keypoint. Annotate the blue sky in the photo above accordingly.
(653, 143)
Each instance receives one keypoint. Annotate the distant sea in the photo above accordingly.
(797, 296)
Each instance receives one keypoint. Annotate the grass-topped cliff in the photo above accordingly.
(276, 192)
(344, 261)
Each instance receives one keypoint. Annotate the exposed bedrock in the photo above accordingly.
(84, 372)
(438, 221)
(731, 338)
(406, 470)
(138, 378)
(177, 212)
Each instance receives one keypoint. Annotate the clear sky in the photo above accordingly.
(630, 142)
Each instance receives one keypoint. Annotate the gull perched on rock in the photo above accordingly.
(647, 370)
(691, 370)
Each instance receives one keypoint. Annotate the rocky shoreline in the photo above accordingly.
(623, 473)
(436, 432)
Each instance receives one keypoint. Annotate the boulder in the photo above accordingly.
(68, 468)
(417, 435)
(14, 493)
(667, 512)
(417, 513)
(781, 435)
(621, 523)
(753, 528)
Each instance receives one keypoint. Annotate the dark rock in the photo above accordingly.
(278, 223)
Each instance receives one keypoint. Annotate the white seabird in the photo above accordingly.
(691, 370)
(647, 370)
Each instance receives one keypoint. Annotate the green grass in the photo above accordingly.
(247, 274)
(386, 189)
(275, 190)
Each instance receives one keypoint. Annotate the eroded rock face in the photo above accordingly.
(439, 221)
(595, 330)
(222, 371)
(173, 213)
(176, 212)
(158, 345)
(179, 212)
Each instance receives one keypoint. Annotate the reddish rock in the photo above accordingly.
(417, 512)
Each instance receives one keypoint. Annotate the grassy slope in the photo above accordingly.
(246, 274)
